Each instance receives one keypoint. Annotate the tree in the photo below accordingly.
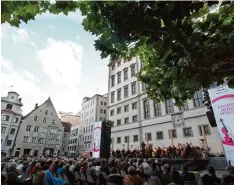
(183, 45)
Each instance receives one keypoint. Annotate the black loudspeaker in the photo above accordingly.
(211, 118)
(105, 141)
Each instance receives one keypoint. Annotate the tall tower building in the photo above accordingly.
(93, 109)
(11, 114)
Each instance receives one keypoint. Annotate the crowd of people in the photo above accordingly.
(180, 151)
(114, 171)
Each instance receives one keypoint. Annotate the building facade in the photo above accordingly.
(93, 109)
(66, 136)
(40, 132)
(138, 119)
(11, 114)
(74, 141)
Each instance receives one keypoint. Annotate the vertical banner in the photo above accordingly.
(97, 139)
(222, 99)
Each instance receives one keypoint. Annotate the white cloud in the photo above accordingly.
(29, 75)
(23, 84)
(33, 44)
(20, 36)
(7, 64)
(61, 61)
(51, 26)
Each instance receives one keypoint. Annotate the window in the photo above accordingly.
(112, 81)
(135, 138)
(146, 109)
(126, 139)
(125, 74)
(12, 131)
(46, 112)
(119, 110)
(12, 97)
(188, 132)
(6, 118)
(112, 112)
(100, 118)
(101, 102)
(35, 118)
(28, 128)
(118, 94)
(134, 118)
(8, 142)
(118, 122)
(159, 135)
(113, 67)
(16, 120)
(118, 139)
(133, 70)
(9, 106)
(134, 105)
(126, 109)
(148, 137)
(34, 139)
(157, 109)
(104, 103)
(143, 86)
(101, 111)
(45, 120)
(112, 97)
(104, 111)
(198, 98)
(126, 91)
(3, 130)
(184, 107)
(206, 129)
(169, 106)
(36, 128)
(53, 122)
(119, 77)
(133, 88)
(174, 133)
(25, 139)
(126, 120)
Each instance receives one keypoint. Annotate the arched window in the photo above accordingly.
(146, 109)
(9, 106)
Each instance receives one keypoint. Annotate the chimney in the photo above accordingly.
(20, 99)
(36, 105)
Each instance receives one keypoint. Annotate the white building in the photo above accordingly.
(40, 132)
(73, 140)
(11, 116)
(137, 118)
(93, 109)
(66, 136)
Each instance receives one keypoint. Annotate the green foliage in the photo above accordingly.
(183, 45)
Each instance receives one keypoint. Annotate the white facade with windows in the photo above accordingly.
(40, 132)
(11, 113)
(93, 109)
(138, 119)
(73, 141)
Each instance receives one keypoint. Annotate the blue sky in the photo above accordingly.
(52, 56)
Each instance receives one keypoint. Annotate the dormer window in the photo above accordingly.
(12, 97)
(9, 106)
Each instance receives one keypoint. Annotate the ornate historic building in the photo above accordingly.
(11, 114)
(40, 132)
